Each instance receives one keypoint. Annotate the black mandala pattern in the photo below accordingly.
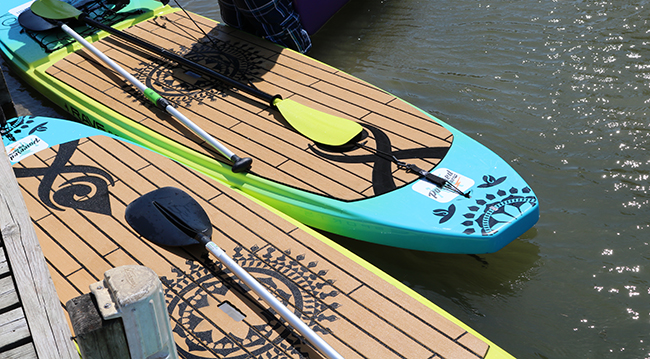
(178, 84)
(207, 282)
(495, 209)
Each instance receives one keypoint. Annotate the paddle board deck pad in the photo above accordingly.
(347, 190)
(77, 182)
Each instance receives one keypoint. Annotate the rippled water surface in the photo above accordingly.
(560, 90)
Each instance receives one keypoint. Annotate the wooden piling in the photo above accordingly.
(98, 338)
(124, 316)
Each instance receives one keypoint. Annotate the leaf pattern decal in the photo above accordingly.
(490, 181)
(445, 214)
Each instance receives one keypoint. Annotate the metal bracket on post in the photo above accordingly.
(133, 296)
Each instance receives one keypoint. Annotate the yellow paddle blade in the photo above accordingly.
(318, 126)
(54, 9)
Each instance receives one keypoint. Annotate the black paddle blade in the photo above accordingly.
(33, 22)
(168, 216)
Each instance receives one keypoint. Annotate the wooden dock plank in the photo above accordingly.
(8, 295)
(13, 327)
(4, 265)
(25, 351)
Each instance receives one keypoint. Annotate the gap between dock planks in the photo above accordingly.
(42, 309)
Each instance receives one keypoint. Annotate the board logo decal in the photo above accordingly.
(78, 187)
(25, 147)
(20, 8)
(195, 293)
(84, 118)
(233, 60)
(443, 195)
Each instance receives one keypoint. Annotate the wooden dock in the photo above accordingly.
(32, 321)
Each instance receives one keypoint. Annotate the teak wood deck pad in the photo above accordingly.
(77, 193)
(250, 127)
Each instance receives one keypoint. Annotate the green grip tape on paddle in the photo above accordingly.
(157, 100)
(152, 96)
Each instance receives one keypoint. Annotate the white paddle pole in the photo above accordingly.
(239, 164)
(271, 300)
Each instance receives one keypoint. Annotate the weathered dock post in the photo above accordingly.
(124, 316)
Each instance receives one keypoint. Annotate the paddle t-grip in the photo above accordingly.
(241, 164)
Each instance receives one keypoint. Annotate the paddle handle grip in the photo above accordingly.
(180, 60)
(271, 300)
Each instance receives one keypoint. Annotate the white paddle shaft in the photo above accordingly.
(199, 131)
(171, 110)
(271, 300)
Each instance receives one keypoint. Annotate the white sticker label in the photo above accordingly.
(443, 195)
(20, 8)
(25, 147)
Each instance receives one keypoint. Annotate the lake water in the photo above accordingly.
(560, 90)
